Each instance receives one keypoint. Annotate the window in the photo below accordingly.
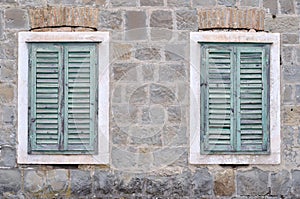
(63, 98)
(235, 87)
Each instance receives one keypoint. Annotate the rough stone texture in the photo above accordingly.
(178, 3)
(225, 17)
(296, 182)
(6, 93)
(291, 74)
(175, 52)
(290, 39)
(64, 16)
(224, 183)
(202, 183)
(7, 69)
(161, 19)
(280, 183)
(204, 3)
(135, 25)
(252, 182)
(297, 93)
(10, 181)
(1, 24)
(34, 181)
(57, 180)
(151, 2)
(253, 3)
(228, 3)
(287, 6)
(288, 96)
(282, 24)
(8, 157)
(16, 18)
(81, 183)
(186, 20)
(271, 5)
(122, 3)
(111, 20)
(105, 182)
(147, 54)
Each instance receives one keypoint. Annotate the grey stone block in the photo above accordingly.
(139, 95)
(16, 18)
(287, 6)
(135, 25)
(170, 73)
(34, 181)
(253, 3)
(8, 156)
(160, 94)
(7, 136)
(10, 181)
(58, 180)
(290, 38)
(8, 1)
(148, 72)
(252, 182)
(271, 5)
(228, 3)
(175, 52)
(204, 3)
(123, 159)
(1, 25)
(81, 183)
(148, 53)
(7, 69)
(282, 24)
(288, 96)
(179, 3)
(151, 2)
(125, 72)
(161, 19)
(157, 186)
(297, 94)
(105, 182)
(187, 20)
(175, 135)
(296, 182)
(122, 3)
(202, 183)
(111, 20)
(44, 3)
(180, 185)
(280, 183)
(161, 34)
(291, 74)
(9, 115)
(133, 186)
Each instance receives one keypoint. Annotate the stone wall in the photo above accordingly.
(149, 132)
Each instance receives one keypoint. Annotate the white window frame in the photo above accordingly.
(195, 157)
(102, 155)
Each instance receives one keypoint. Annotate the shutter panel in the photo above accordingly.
(45, 71)
(216, 99)
(252, 124)
(80, 98)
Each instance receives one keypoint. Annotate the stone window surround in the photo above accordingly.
(102, 157)
(247, 37)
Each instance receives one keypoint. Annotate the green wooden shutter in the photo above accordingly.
(63, 98)
(234, 87)
(253, 118)
(216, 99)
(44, 92)
(80, 97)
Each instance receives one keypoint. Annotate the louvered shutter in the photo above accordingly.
(252, 124)
(45, 82)
(63, 98)
(234, 87)
(80, 97)
(216, 98)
